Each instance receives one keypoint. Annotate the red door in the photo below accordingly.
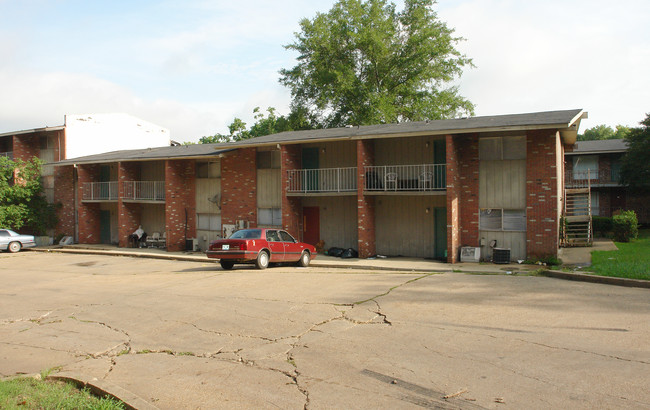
(310, 225)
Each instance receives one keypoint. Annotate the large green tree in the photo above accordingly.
(604, 132)
(635, 169)
(22, 202)
(365, 62)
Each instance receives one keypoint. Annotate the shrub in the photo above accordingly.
(602, 225)
(625, 226)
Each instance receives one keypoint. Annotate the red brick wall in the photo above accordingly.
(239, 187)
(89, 228)
(26, 147)
(64, 194)
(128, 214)
(180, 198)
(365, 204)
(291, 205)
(542, 202)
(453, 200)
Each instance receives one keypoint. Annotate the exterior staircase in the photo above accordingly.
(577, 228)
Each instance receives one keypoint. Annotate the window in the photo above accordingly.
(208, 222)
(585, 166)
(286, 237)
(269, 216)
(502, 148)
(208, 169)
(502, 220)
(268, 159)
(272, 236)
(595, 207)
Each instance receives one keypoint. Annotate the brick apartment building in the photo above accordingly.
(421, 189)
(598, 164)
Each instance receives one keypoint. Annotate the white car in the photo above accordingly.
(14, 242)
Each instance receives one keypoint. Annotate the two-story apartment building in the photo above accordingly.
(597, 164)
(421, 189)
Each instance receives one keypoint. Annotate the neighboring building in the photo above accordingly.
(421, 189)
(597, 164)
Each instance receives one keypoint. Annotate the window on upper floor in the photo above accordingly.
(208, 169)
(502, 148)
(268, 159)
(585, 167)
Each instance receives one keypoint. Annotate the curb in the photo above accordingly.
(103, 388)
(604, 280)
(206, 260)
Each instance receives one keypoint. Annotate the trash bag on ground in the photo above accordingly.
(334, 251)
(349, 253)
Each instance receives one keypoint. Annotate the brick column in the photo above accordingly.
(453, 200)
(365, 204)
(25, 147)
(64, 194)
(180, 200)
(129, 215)
(89, 225)
(469, 186)
(542, 200)
(291, 205)
(239, 187)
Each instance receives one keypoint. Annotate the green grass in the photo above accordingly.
(631, 260)
(30, 393)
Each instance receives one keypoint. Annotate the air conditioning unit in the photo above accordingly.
(470, 254)
(501, 255)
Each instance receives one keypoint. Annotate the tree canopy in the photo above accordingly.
(364, 62)
(22, 202)
(604, 132)
(635, 168)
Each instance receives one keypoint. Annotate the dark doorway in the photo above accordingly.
(311, 225)
(105, 226)
(441, 233)
(310, 165)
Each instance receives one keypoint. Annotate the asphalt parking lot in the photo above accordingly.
(190, 335)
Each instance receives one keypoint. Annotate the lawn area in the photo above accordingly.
(30, 393)
(631, 260)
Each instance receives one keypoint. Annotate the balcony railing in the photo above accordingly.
(8, 155)
(144, 190)
(322, 180)
(425, 177)
(100, 191)
(582, 179)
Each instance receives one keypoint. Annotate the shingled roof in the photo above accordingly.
(150, 154)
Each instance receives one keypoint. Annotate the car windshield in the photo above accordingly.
(247, 234)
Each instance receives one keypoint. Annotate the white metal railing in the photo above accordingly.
(322, 180)
(144, 190)
(8, 155)
(580, 179)
(100, 191)
(424, 177)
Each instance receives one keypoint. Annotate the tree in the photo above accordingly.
(635, 167)
(364, 63)
(22, 202)
(604, 132)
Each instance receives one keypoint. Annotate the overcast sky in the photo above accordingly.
(192, 66)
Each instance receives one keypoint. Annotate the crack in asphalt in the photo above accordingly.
(584, 351)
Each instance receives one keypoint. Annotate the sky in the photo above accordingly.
(192, 66)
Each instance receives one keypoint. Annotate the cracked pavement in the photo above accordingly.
(189, 335)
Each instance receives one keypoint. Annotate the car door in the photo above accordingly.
(275, 245)
(4, 239)
(292, 248)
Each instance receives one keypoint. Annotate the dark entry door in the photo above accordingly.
(311, 225)
(105, 226)
(441, 233)
(310, 165)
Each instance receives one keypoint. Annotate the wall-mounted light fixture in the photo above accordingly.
(323, 150)
(428, 210)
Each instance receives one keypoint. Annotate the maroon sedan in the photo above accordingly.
(260, 246)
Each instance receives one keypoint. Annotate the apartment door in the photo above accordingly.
(311, 225)
(310, 165)
(105, 226)
(441, 233)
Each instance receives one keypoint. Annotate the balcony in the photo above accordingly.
(325, 181)
(144, 191)
(8, 155)
(406, 178)
(100, 191)
(583, 179)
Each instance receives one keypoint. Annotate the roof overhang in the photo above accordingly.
(570, 135)
(33, 131)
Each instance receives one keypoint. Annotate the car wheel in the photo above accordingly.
(227, 265)
(262, 261)
(14, 247)
(304, 259)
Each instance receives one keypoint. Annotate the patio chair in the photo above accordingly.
(162, 241)
(425, 180)
(390, 178)
(153, 240)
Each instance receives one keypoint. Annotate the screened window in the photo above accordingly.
(268, 159)
(502, 148)
(502, 220)
(585, 167)
(269, 216)
(209, 222)
(208, 169)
